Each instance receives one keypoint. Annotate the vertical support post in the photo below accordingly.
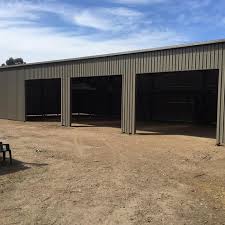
(128, 103)
(218, 124)
(66, 101)
(220, 134)
(21, 96)
(222, 94)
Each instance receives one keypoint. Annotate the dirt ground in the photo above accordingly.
(91, 174)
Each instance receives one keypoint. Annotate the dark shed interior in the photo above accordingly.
(43, 99)
(189, 97)
(96, 98)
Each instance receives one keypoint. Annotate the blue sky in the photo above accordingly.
(52, 29)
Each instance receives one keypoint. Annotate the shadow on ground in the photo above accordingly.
(80, 121)
(95, 122)
(43, 118)
(6, 168)
(163, 128)
(143, 128)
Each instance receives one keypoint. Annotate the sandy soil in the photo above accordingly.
(91, 174)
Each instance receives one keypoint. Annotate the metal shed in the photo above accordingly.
(129, 65)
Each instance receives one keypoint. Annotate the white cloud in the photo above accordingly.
(196, 4)
(38, 44)
(8, 23)
(88, 19)
(125, 12)
(191, 3)
(107, 19)
(101, 18)
(18, 10)
(136, 2)
(31, 10)
(23, 36)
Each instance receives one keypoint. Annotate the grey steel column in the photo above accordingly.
(21, 98)
(221, 91)
(66, 101)
(128, 103)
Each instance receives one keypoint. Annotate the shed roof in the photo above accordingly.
(119, 53)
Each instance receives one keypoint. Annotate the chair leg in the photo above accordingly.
(10, 157)
(3, 156)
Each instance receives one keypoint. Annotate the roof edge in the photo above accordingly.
(117, 54)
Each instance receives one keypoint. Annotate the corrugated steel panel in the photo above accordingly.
(4, 95)
(12, 95)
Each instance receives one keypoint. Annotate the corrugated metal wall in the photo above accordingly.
(4, 95)
(12, 95)
(200, 57)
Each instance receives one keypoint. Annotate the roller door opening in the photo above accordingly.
(96, 101)
(177, 102)
(43, 100)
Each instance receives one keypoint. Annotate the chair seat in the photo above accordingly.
(3, 150)
(4, 147)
